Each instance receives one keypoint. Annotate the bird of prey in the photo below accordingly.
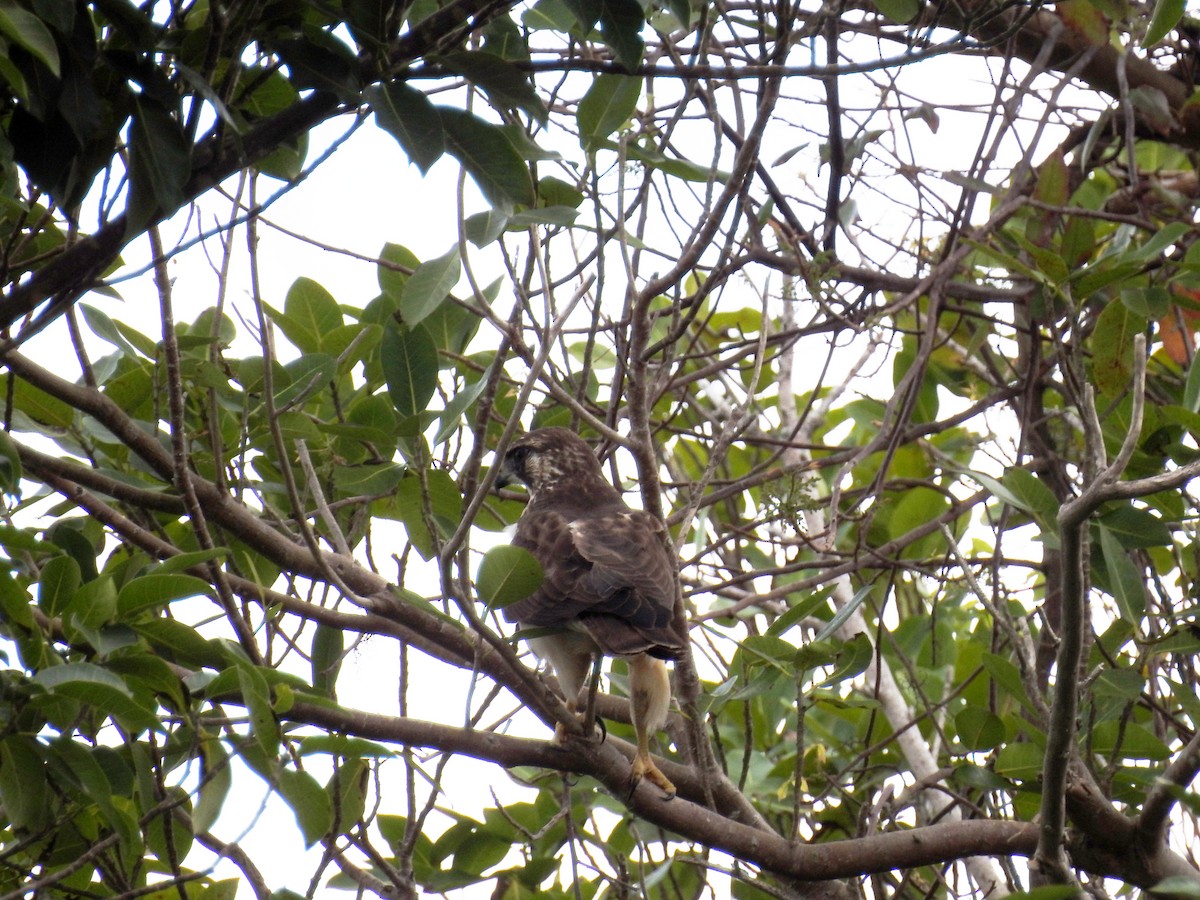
(609, 580)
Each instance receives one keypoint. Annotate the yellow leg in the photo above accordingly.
(650, 696)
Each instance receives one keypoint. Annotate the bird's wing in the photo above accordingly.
(608, 572)
(562, 596)
(631, 570)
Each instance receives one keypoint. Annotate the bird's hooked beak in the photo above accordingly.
(507, 472)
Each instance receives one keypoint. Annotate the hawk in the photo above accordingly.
(609, 582)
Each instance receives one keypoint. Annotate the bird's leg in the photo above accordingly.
(589, 711)
(571, 659)
(649, 698)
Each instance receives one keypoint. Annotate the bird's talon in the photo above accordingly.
(645, 768)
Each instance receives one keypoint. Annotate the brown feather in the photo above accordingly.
(607, 570)
(609, 581)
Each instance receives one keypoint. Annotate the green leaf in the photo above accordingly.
(216, 780)
(607, 105)
(179, 642)
(1125, 581)
(14, 602)
(899, 11)
(682, 11)
(99, 688)
(105, 327)
(10, 465)
(320, 61)
(347, 790)
(57, 586)
(505, 84)
(429, 286)
(1147, 302)
(683, 169)
(327, 649)
(310, 313)
(843, 614)
(410, 367)
(489, 157)
(484, 227)
(445, 507)
(37, 405)
(978, 728)
(155, 591)
(451, 416)
(408, 116)
(366, 480)
(1136, 528)
(916, 507)
(307, 375)
(1165, 17)
(1113, 348)
(181, 561)
(1176, 885)
(344, 745)
(27, 31)
(257, 697)
(1191, 389)
(851, 660)
(621, 23)
(1127, 740)
(23, 787)
(309, 802)
(159, 163)
(1032, 495)
(80, 673)
(801, 608)
(1006, 677)
(1021, 762)
(94, 603)
(391, 279)
(507, 574)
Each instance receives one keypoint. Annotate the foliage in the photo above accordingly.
(920, 414)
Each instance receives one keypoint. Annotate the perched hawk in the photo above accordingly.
(609, 580)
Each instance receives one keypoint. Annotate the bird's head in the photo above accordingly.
(547, 457)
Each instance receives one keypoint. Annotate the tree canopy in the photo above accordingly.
(887, 309)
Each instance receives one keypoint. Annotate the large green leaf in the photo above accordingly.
(26, 30)
(444, 501)
(310, 314)
(1165, 17)
(23, 787)
(621, 23)
(155, 591)
(507, 574)
(256, 694)
(100, 689)
(1136, 527)
(606, 106)
(408, 116)
(57, 586)
(1112, 348)
(159, 163)
(489, 158)
(1032, 495)
(1124, 580)
(504, 83)
(428, 286)
(410, 367)
(308, 801)
(978, 728)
